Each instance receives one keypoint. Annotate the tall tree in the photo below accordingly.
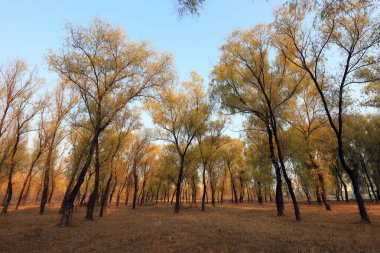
(23, 110)
(53, 133)
(37, 152)
(347, 27)
(254, 79)
(108, 73)
(209, 142)
(182, 116)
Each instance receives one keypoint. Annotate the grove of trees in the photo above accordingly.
(295, 82)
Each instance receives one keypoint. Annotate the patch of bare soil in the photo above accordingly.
(225, 228)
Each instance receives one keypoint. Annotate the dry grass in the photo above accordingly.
(227, 228)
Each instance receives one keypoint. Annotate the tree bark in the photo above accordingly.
(204, 186)
(178, 185)
(103, 203)
(68, 204)
(135, 186)
(285, 174)
(279, 194)
(94, 195)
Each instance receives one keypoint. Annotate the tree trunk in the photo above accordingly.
(113, 190)
(27, 179)
(204, 186)
(47, 169)
(364, 166)
(321, 180)
(174, 194)
(212, 186)
(285, 174)
(83, 199)
(68, 204)
(223, 183)
(158, 190)
(234, 194)
(52, 189)
(306, 191)
(279, 195)
(259, 193)
(103, 203)
(178, 186)
(8, 196)
(135, 188)
(10, 175)
(355, 184)
(343, 183)
(95, 193)
(23, 189)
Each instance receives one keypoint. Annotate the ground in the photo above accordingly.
(226, 228)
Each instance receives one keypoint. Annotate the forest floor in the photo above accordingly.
(225, 228)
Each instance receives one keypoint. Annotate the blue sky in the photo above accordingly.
(28, 28)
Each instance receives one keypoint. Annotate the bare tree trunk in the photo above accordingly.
(212, 186)
(364, 166)
(135, 187)
(28, 178)
(95, 193)
(10, 175)
(204, 186)
(174, 194)
(279, 194)
(285, 174)
(52, 189)
(223, 183)
(158, 190)
(321, 189)
(23, 189)
(259, 193)
(25, 196)
(343, 183)
(39, 190)
(113, 190)
(47, 169)
(8, 196)
(127, 194)
(234, 194)
(103, 203)
(178, 186)
(355, 184)
(83, 199)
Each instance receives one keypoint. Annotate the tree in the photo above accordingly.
(248, 80)
(359, 145)
(141, 149)
(108, 73)
(191, 6)
(37, 152)
(312, 147)
(53, 134)
(258, 162)
(23, 112)
(232, 155)
(347, 27)
(209, 143)
(182, 116)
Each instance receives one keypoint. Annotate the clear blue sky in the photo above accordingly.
(28, 28)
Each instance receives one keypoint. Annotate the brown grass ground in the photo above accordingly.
(227, 228)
